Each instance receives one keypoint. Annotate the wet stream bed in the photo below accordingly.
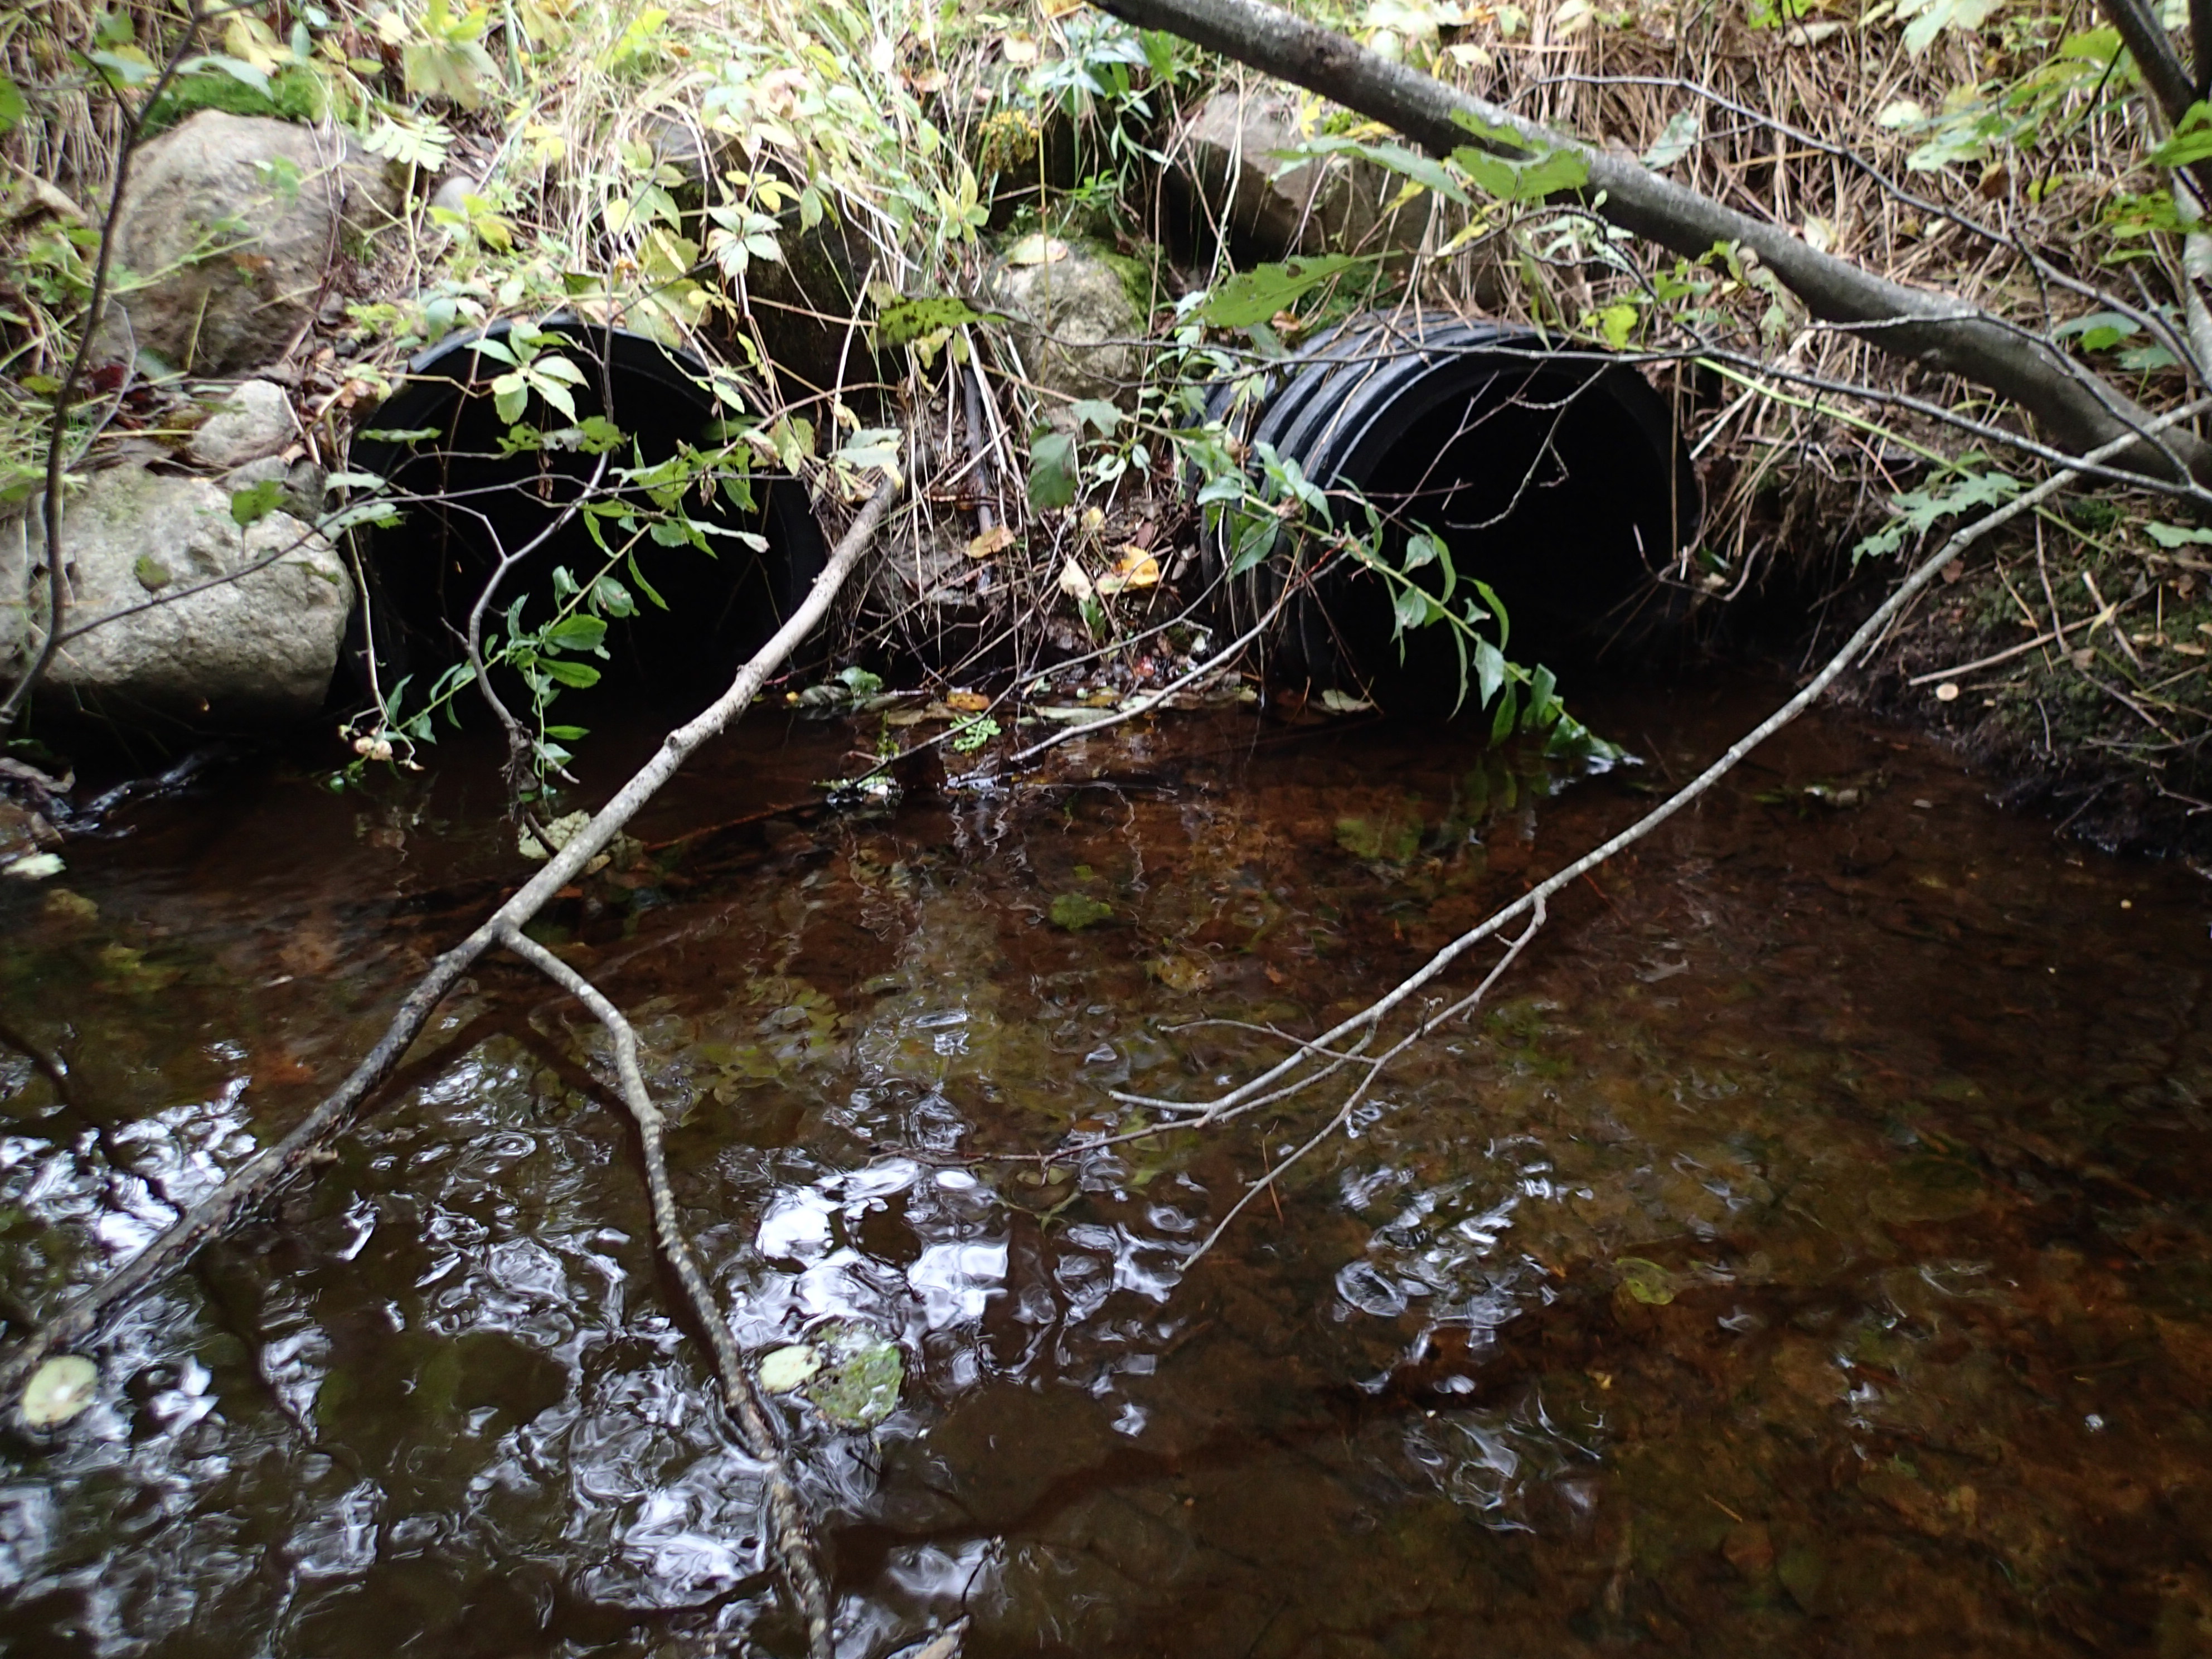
(1805, 1250)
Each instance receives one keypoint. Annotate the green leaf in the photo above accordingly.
(1409, 608)
(2174, 535)
(237, 68)
(2100, 331)
(1052, 471)
(1425, 171)
(971, 735)
(568, 734)
(1619, 323)
(1254, 296)
(1931, 17)
(577, 633)
(1646, 1281)
(578, 674)
(645, 587)
(1489, 670)
(1496, 607)
(256, 501)
(1532, 181)
(13, 109)
(1509, 714)
(1074, 912)
(905, 321)
(1097, 414)
(449, 67)
(1676, 139)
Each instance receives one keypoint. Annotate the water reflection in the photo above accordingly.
(1813, 1222)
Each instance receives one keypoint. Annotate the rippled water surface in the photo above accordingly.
(1804, 1251)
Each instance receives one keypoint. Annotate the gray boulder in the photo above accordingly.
(254, 420)
(1074, 325)
(233, 224)
(260, 648)
(1228, 155)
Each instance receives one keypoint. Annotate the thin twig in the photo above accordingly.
(797, 1555)
(1868, 632)
(251, 1184)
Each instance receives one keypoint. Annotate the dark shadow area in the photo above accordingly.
(1557, 480)
(440, 439)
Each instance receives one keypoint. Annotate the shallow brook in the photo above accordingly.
(1805, 1250)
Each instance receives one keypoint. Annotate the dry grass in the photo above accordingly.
(895, 115)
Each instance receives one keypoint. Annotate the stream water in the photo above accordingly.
(1805, 1250)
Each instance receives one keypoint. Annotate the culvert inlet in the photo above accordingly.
(439, 442)
(1557, 478)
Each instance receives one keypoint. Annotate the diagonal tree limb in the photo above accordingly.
(1948, 335)
(252, 1182)
(799, 1558)
(1227, 1104)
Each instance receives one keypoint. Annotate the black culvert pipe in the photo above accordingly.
(424, 575)
(1558, 478)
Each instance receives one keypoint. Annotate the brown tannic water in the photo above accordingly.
(1805, 1252)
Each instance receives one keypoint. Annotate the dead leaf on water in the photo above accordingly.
(59, 1389)
(785, 1369)
(1647, 1281)
(967, 702)
(1183, 971)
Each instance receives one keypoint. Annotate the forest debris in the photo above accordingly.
(622, 849)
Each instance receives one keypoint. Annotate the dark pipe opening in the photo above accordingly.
(1556, 479)
(424, 575)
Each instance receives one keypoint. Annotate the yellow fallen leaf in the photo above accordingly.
(996, 540)
(1037, 251)
(967, 702)
(1073, 582)
(1136, 568)
(1020, 49)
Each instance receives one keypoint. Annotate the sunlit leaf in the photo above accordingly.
(1255, 296)
(59, 1389)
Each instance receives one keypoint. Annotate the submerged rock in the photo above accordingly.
(260, 648)
(233, 223)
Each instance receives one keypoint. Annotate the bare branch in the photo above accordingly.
(253, 1181)
(799, 1558)
(1949, 335)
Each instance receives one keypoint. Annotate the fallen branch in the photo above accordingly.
(1278, 1080)
(798, 1556)
(252, 1182)
(1942, 332)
